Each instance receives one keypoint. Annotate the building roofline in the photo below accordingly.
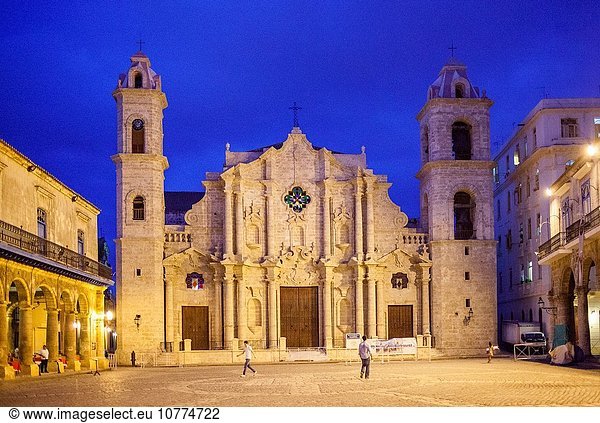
(27, 162)
(541, 107)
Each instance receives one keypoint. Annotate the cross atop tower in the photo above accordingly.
(140, 42)
(295, 108)
(452, 48)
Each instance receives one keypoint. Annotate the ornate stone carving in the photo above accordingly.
(252, 214)
(341, 214)
(298, 267)
(191, 217)
(401, 220)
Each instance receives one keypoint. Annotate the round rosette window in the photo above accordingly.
(297, 199)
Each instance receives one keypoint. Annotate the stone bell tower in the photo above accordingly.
(140, 208)
(457, 211)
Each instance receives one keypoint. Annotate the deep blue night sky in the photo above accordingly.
(360, 70)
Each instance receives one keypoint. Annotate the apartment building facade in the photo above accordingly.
(547, 142)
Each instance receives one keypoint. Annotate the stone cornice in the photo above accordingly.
(136, 92)
(137, 157)
(526, 165)
(486, 102)
(461, 164)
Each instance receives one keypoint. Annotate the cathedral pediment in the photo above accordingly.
(189, 258)
(402, 259)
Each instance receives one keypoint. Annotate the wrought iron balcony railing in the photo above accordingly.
(31, 243)
(587, 223)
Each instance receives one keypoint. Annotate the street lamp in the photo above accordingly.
(550, 309)
(468, 317)
(547, 222)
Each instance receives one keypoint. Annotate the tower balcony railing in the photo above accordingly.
(463, 234)
(31, 243)
(584, 225)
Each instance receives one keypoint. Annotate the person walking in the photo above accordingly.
(490, 351)
(44, 353)
(248, 353)
(364, 351)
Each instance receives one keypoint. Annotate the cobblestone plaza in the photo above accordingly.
(467, 382)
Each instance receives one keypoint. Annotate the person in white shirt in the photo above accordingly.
(248, 354)
(364, 351)
(44, 364)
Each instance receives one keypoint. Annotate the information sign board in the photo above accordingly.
(352, 341)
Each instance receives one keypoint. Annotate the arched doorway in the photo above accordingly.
(20, 324)
(67, 327)
(45, 321)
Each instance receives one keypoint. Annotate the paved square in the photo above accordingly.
(469, 382)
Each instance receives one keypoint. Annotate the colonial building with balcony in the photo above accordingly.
(52, 287)
(572, 252)
(543, 146)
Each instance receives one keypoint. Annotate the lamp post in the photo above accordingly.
(547, 222)
(468, 317)
(550, 309)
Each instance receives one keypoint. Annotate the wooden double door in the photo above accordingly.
(300, 316)
(194, 324)
(400, 321)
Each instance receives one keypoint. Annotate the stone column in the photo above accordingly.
(242, 318)
(371, 312)
(326, 224)
(52, 337)
(583, 325)
(3, 336)
(70, 338)
(370, 222)
(84, 340)
(228, 230)
(358, 222)
(380, 307)
(228, 309)
(26, 334)
(273, 338)
(327, 315)
(6, 371)
(99, 323)
(425, 299)
(169, 313)
(239, 225)
(26, 341)
(270, 216)
(358, 302)
(217, 335)
(11, 335)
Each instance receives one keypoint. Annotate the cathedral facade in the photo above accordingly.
(295, 246)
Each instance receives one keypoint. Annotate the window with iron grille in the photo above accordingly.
(41, 223)
(138, 208)
(566, 212)
(80, 242)
(586, 198)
